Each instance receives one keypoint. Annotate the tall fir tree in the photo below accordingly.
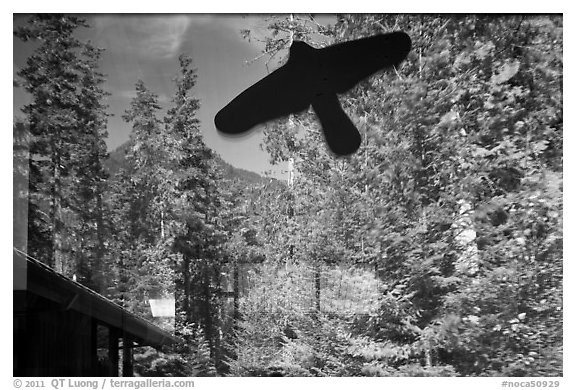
(135, 215)
(195, 209)
(66, 120)
(91, 176)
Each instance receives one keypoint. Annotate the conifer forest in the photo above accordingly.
(434, 250)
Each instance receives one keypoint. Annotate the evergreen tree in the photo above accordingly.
(169, 213)
(91, 176)
(66, 120)
(138, 238)
(193, 211)
(471, 121)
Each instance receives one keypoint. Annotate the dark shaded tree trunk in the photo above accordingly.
(317, 279)
(236, 287)
(60, 263)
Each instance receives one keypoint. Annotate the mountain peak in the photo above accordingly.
(117, 160)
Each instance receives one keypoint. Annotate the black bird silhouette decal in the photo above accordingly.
(315, 77)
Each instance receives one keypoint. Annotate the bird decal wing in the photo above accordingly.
(279, 94)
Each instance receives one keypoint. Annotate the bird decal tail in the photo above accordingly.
(340, 133)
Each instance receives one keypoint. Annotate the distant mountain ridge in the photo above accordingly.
(117, 159)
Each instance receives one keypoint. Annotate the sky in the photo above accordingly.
(147, 47)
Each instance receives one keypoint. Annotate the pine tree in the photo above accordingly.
(193, 211)
(91, 176)
(136, 221)
(168, 213)
(66, 120)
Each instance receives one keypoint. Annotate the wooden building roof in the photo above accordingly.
(38, 280)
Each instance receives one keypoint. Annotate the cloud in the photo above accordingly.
(165, 35)
(232, 22)
(148, 35)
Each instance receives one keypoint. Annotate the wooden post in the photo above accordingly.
(113, 336)
(93, 346)
(127, 363)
